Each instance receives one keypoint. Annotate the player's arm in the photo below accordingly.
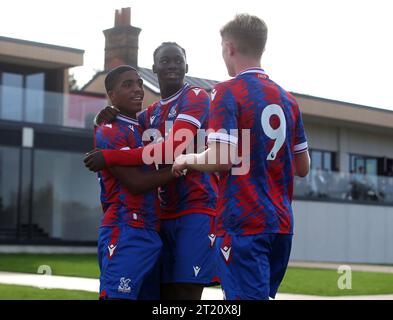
(301, 155)
(217, 157)
(302, 164)
(176, 143)
(179, 137)
(222, 146)
(138, 181)
(106, 115)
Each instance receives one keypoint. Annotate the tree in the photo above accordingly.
(72, 83)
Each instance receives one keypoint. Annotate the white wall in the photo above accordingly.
(334, 232)
(345, 140)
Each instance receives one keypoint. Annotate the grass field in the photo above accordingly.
(297, 280)
(12, 292)
(74, 265)
(323, 282)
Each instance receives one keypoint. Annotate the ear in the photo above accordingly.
(231, 48)
(186, 67)
(154, 68)
(111, 95)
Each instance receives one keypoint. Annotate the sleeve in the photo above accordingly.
(194, 107)
(143, 119)
(156, 151)
(300, 139)
(107, 137)
(223, 117)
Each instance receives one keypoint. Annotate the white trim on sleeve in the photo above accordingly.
(222, 137)
(301, 147)
(188, 118)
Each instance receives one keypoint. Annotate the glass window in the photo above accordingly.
(26, 194)
(35, 97)
(371, 166)
(66, 196)
(363, 164)
(316, 159)
(11, 102)
(327, 161)
(359, 165)
(9, 181)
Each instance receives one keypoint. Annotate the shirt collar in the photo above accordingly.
(175, 95)
(252, 70)
(122, 117)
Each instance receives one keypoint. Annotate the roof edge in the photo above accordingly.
(41, 44)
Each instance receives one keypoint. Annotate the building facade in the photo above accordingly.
(45, 193)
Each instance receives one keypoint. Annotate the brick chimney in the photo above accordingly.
(121, 41)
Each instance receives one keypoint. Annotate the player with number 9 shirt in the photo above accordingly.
(254, 213)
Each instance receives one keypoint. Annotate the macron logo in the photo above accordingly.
(131, 127)
(111, 249)
(213, 94)
(152, 119)
(196, 91)
(226, 252)
(196, 270)
(109, 125)
(212, 237)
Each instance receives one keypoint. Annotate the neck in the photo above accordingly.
(128, 114)
(242, 64)
(169, 90)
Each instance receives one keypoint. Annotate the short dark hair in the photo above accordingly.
(167, 44)
(248, 32)
(113, 75)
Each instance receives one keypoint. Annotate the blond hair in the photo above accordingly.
(248, 32)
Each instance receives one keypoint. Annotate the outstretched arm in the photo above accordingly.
(218, 157)
(138, 181)
(179, 137)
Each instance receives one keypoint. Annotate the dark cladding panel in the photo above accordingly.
(10, 137)
(64, 142)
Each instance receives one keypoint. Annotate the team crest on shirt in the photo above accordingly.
(123, 286)
(172, 113)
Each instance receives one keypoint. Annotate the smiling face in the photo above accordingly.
(127, 94)
(170, 66)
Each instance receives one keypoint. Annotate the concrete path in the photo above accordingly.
(335, 266)
(92, 250)
(92, 285)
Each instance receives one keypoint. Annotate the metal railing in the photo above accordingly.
(329, 185)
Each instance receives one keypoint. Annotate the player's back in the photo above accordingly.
(259, 200)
